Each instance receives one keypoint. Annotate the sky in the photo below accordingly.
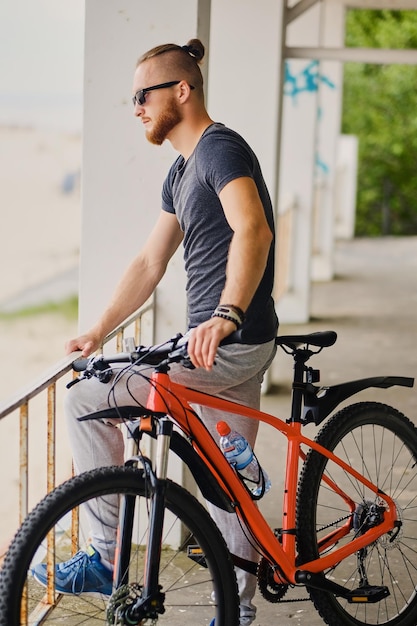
(41, 63)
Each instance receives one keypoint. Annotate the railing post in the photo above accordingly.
(24, 453)
(51, 437)
(51, 472)
(119, 340)
(23, 488)
(137, 330)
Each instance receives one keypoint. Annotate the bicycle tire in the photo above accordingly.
(188, 586)
(381, 443)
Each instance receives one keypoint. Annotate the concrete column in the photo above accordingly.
(330, 96)
(122, 173)
(298, 153)
(346, 186)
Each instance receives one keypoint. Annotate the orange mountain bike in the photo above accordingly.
(349, 521)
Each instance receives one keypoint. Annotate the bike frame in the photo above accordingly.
(175, 400)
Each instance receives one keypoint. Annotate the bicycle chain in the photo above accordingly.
(335, 522)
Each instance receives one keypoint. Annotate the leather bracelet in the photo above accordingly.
(228, 313)
(226, 317)
(231, 309)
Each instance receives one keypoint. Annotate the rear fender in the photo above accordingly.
(319, 402)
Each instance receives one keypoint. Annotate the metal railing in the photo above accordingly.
(139, 325)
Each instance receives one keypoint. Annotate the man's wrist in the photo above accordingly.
(231, 313)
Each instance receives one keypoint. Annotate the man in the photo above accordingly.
(215, 201)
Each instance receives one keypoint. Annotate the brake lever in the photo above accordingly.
(73, 382)
(187, 363)
(94, 366)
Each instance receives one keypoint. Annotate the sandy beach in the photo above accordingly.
(40, 207)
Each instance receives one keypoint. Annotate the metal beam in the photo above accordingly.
(304, 5)
(380, 56)
(394, 5)
(298, 9)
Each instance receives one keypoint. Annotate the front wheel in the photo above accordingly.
(381, 444)
(196, 572)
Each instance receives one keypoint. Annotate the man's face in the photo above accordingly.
(160, 113)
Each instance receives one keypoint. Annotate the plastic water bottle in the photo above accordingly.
(239, 453)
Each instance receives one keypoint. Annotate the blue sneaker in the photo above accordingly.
(83, 574)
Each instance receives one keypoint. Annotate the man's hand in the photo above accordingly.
(204, 341)
(87, 343)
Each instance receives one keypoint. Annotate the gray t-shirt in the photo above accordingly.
(191, 191)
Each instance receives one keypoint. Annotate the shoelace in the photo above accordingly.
(71, 563)
(79, 562)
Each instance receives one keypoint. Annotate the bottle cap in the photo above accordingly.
(223, 428)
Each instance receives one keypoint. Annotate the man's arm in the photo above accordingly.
(246, 264)
(137, 283)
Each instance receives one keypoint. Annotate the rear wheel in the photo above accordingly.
(196, 573)
(381, 443)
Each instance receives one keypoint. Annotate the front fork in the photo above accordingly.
(157, 509)
(151, 601)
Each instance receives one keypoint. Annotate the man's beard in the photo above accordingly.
(164, 124)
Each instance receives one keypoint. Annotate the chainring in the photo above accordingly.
(269, 588)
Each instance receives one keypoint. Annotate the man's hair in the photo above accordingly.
(181, 61)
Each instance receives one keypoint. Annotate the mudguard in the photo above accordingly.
(205, 480)
(319, 402)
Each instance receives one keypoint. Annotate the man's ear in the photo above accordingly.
(184, 91)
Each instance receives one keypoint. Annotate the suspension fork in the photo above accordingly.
(157, 509)
(157, 487)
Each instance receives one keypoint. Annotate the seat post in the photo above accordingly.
(300, 357)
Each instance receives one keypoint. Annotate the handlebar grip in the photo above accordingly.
(80, 365)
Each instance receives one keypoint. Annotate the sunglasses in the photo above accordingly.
(140, 96)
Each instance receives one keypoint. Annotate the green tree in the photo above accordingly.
(380, 107)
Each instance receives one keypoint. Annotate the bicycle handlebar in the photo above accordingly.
(172, 351)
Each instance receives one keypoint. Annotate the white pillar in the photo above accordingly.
(122, 173)
(330, 100)
(346, 186)
(298, 150)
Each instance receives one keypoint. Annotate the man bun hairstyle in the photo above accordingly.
(181, 62)
(195, 49)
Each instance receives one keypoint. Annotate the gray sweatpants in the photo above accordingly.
(237, 375)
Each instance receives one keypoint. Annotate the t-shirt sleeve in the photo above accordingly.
(221, 159)
(167, 197)
(167, 200)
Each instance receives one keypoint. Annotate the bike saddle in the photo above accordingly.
(321, 339)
